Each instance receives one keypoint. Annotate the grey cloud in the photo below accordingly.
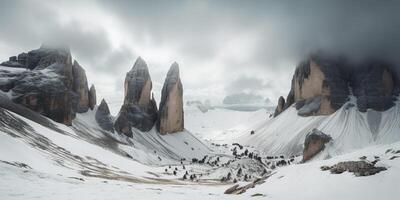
(289, 30)
(246, 84)
(280, 33)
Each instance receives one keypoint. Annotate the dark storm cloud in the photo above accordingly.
(288, 30)
(212, 40)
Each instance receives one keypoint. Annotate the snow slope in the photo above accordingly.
(219, 124)
(349, 128)
(54, 161)
(89, 150)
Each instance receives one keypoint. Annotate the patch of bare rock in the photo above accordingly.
(358, 168)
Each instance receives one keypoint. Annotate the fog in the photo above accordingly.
(223, 47)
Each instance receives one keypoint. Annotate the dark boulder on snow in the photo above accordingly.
(322, 84)
(51, 84)
(103, 117)
(279, 108)
(358, 168)
(314, 143)
(139, 109)
(92, 97)
(170, 119)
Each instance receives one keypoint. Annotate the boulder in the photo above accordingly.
(92, 97)
(139, 109)
(280, 106)
(170, 119)
(358, 168)
(80, 87)
(103, 117)
(314, 143)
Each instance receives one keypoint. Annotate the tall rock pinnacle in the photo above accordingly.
(170, 119)
(138, 110)
(80, 86)
(92, 97)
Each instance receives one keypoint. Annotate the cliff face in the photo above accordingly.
(80, 86)
(139, 109)
(52, 86)
(170, 119)
(322, 84)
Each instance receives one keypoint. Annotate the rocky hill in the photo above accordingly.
(46, 80)
(322, 83)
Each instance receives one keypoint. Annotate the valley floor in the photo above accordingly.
(67, 167)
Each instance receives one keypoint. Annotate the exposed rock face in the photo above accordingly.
(322, 83)
(138, 110)
(359, 168)
(103, 117)
(92, 97)
(314, 143)
(280, 106)
(373, 84)
(80, 87)
(52, 85)
(170, 118)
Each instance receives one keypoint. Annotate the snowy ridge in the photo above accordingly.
(90, 151)
(349, 128)
(145, 147)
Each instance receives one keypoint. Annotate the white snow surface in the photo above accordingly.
(349, 128)
(84, 162)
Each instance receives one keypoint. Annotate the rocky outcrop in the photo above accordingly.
(139, 109)
(279, 108)
(92, 97)
(314, 143)
(374, 84)
(103, 117)
(52, 86)
(80, 87)
(170, 119)
(358, 168)
(322, 84)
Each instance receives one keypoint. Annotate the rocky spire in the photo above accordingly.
(170, 119)
(280, 106)
(92, 97)
(138, 110)
(80, 86)
(103, 117)
(138, 84)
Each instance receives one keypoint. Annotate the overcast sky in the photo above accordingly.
(222, 47)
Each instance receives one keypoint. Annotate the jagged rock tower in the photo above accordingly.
(139, 109)
(170, 118)
(103, 117)
(52, 86)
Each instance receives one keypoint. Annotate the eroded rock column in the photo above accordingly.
(170, 118)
